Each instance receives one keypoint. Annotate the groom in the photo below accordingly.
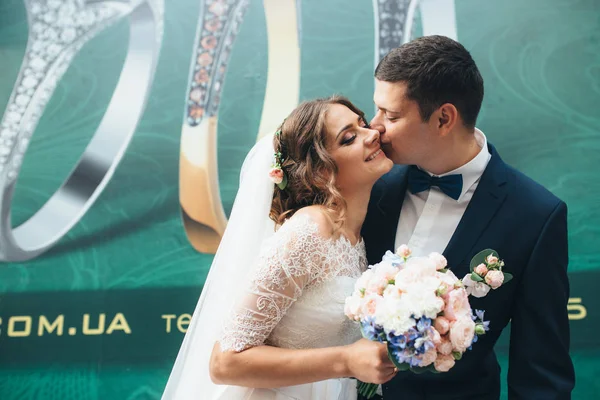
(452, 193)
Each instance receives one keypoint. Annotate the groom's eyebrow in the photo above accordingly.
(390, 111)
(385, 109)
(345, 128)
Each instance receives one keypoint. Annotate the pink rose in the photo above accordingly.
(369, 304)
(387, 271)
(491, 259)
(428, 357)
(403, 251)
(377, 284)
(457, 305)
(444, 363)
(494, 279)
(442, 325)
(276, 175)
(449, 280)
(448, 277)
(439, 260)
(462, 332)
(481, 270)
(445, 346)
(443, 290)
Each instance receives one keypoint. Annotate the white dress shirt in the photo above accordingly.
(428, 219)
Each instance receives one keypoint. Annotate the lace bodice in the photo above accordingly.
(295, 299)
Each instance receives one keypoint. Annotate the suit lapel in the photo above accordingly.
(486, 201)
(388, 208)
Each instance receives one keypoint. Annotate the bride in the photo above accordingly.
(270, 322)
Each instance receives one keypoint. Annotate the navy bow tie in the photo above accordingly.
(419, 181)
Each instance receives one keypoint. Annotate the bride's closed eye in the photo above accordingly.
(348, 139)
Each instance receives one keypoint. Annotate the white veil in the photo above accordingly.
(249, 225)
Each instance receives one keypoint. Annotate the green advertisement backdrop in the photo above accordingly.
(101, 315)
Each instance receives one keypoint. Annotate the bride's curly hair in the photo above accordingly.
(310, 170)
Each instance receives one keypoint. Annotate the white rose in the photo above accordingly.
(363, 281)
(392, 291)
(475, 289)
(353, 307)
(386, 270)
(422, 300)
(393, 314)
(439, 260)
(424, 265)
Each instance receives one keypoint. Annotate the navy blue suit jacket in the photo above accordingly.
(527, 225)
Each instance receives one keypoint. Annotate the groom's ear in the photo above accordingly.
(447, 115)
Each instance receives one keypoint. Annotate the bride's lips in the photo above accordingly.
(374, 155)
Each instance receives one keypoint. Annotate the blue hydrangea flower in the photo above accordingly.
(399, 342)
(392, 258)
(371, 330)
(423, 324)
(403, 356)
(479, 314)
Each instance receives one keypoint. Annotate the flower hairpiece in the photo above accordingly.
(276, 174)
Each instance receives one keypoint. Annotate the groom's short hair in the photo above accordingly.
(436, 70)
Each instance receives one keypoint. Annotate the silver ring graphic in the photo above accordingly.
(57, 31)
(394, 22)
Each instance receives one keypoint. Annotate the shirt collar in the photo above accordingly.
(472, 171)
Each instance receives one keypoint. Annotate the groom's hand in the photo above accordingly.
(368, 362)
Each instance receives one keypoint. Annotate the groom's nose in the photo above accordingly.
(377, 126)
(376, 123)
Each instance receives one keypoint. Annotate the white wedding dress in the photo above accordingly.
(296, 301)
(285, 288)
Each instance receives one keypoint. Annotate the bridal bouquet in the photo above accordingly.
(421, 309)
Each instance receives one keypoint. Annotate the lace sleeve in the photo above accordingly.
(289, 262)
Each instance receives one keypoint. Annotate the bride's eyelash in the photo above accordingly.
(349, 140)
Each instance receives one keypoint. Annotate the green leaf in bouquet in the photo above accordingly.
(480, 257)
(475, 276)
(507, 277)
(362, 332)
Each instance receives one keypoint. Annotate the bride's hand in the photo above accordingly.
(368, 362)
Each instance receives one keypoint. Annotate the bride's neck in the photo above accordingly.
(356, 211)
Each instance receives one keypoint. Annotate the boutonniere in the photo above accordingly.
(486, 273)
